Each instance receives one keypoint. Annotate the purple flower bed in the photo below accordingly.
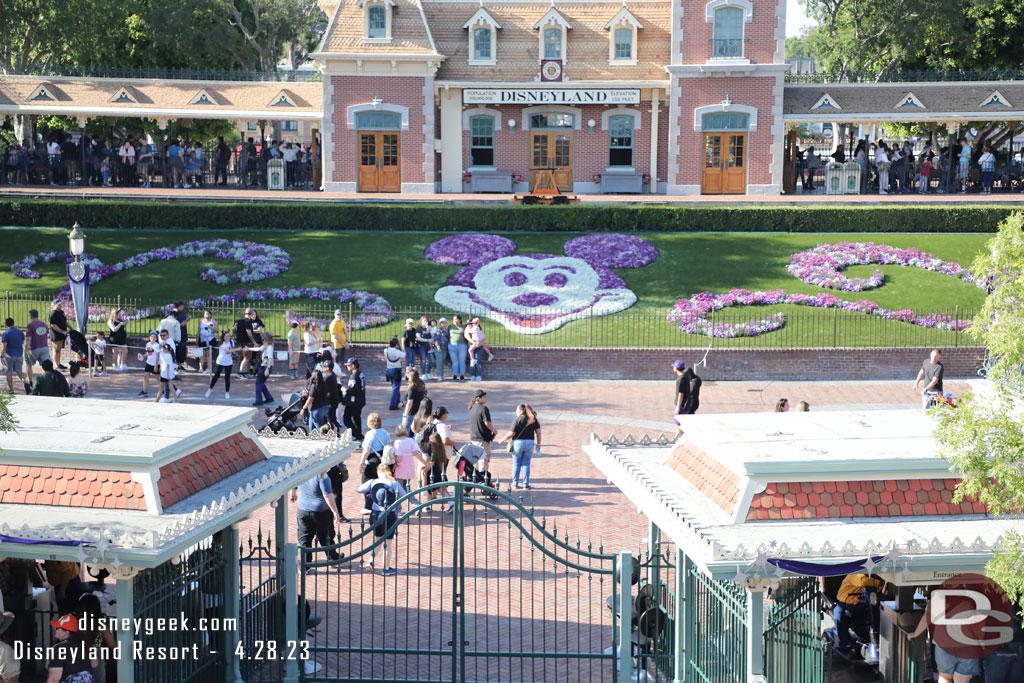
(258, 261)
(821, 265)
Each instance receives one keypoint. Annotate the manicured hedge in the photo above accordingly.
(437, 217)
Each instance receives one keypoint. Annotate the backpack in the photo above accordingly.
(383, 495)
(423, 438)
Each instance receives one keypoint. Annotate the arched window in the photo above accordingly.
(728, 40)
(482, 44)
(620, 141)
(376, 22)
(552, 43)
(624, 43)
(481, 141)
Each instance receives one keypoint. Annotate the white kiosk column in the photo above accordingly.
(755, 635)
(451, 139)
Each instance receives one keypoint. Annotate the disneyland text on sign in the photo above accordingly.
(552, 96)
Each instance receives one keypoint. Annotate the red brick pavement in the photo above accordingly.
(516, 598)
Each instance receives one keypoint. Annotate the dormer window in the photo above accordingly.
(377, 20)
(553, 28)
(622, 38)
(482, 33)
(552, 43)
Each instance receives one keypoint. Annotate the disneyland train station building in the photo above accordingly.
(679, 97)
(623, 97)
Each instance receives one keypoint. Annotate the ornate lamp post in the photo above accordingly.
(78, 277)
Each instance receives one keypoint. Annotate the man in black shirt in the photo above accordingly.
(355, 399)
(682, 386)
(409, 343)
(245, 339)
(481, 430)
(931, 372)
(181, 351)
(223, 157)
(58, 333)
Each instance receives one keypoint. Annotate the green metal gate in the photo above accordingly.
(793, 648)
(485, 591)
(716, 635)
(261, 607)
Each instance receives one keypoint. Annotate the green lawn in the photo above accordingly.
(393, 265)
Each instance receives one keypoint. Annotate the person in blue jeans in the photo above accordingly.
(425, 347)
(393, 371)
(263, 394)
(409, 342)
(458, 348)
(1006, 665)
(318, 396)
(525, 436)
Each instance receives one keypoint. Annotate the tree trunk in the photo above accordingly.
(24, 127)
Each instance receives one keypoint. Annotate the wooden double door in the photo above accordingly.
(380, 161)
(725, 164)
(551, 150)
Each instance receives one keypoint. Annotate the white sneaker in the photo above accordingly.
(187, 186)
(472, 363)
(177, 393)
(207, 393)
(102, 374)
(427, 377)
(226, 395)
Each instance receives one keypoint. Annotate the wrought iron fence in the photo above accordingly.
(262, 609)
(192, 588)
(793, 649)
(804, 327)
(717, 634)
(235, 172)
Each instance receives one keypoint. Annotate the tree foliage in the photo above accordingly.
(7, 420)
(983, 438)
(271, 30)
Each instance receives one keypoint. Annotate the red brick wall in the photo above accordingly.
(702, 92)
(519, 363)
(406, 91)
(759, 33)
(590, 151)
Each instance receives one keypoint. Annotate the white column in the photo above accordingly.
(125, 589)
(654, 140)
(451, 140)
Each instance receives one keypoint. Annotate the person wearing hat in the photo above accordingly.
(68, 663)
(339, 331)
(354, 398)
(409, 343)
(687, 390)
(384, 490)
(322, 385)
(481, 429)
(10, 667)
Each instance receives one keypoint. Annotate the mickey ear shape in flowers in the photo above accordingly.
(538, 293)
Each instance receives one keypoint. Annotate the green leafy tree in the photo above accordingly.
(983, 438)
(271, 30)
(7, 420)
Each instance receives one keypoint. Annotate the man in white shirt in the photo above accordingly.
(53, 153)
(290, 156)
(171, 325)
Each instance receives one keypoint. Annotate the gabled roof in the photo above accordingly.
(409, 32)
(516, 46)
(623, 16)
(826, 101)
(909, 101)
(482, 16)
(552, 16)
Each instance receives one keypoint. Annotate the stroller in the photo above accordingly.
(945, 399)
(80, 345)
(287, 417)
(466, 459)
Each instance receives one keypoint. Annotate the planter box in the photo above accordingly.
(622, 183)
(490, 181)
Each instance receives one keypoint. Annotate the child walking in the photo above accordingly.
(225, 359)
(167, 367)
(263, 394)
(99, 348)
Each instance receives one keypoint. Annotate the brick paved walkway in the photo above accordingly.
(516, 598)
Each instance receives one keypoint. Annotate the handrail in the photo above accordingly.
(907, 76)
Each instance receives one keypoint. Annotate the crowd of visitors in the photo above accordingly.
(131, 162)
(903, 167)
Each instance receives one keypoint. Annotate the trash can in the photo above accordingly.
(833, 178)
(275, 174)
(851, 178)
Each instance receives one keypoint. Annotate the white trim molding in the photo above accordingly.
(552, 109)
(623, 19)
(745, 5)
(482, 19)
(826, 101)
(607, 114)
(699, 112)
(378, 106)
(994, 99)
(909, 101)
(468, 114)
(552, 18)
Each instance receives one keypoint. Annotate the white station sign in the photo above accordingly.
(551, 96)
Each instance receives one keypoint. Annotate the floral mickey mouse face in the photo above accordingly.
(538, 293)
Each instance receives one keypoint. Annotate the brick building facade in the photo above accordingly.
(682, 97)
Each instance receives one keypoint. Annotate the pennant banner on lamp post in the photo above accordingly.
(78, 278)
